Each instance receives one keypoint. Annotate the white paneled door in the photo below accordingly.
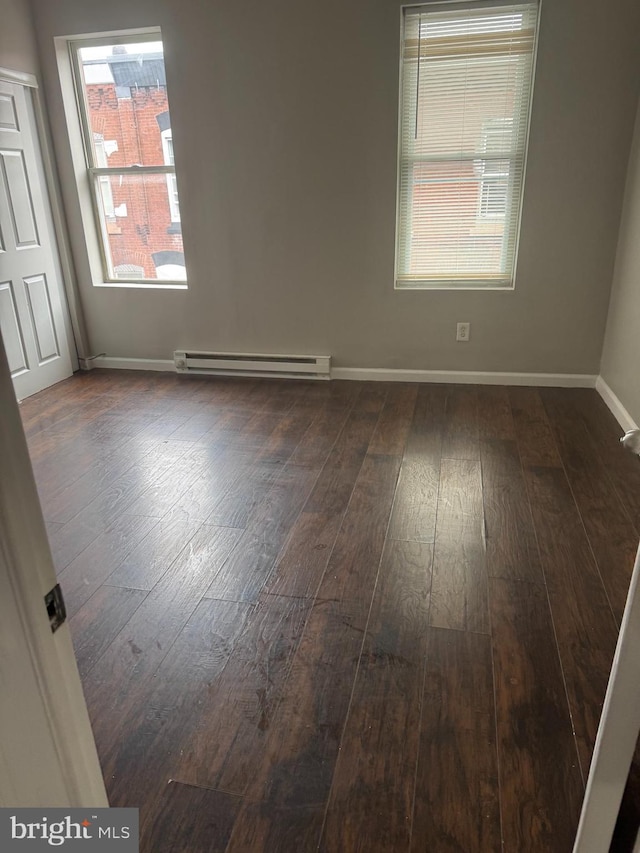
(32, 304)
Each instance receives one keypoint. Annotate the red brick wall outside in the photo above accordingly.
(440, 185)
(479, 241)
(132, 123)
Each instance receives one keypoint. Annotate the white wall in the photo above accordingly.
(18, 49)
(284, 119)
(621, 353)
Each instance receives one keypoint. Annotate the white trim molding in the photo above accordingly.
(158, 364)
(615, 406)
(382, 374)
(22, 78)
(466, 377)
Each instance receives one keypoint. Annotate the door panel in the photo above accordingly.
(42, 318)
(32, 303)
(10, 326)
(18, 191)
(8, 114)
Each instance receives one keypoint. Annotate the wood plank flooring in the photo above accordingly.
(340, 616)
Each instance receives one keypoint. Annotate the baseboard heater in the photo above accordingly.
(253, 364)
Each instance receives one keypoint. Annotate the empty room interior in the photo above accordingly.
(321, 330)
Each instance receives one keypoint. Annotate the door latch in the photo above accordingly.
(55, 607)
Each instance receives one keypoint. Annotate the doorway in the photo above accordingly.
(33, 313)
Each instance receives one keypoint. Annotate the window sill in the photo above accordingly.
(175, 228)
(452, 288)
(142, 285)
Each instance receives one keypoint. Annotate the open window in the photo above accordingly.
(123, 111)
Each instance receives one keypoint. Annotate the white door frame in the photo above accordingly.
(617, 733)
(74, 317)
(47, 751)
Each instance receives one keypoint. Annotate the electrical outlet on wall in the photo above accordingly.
(463, 331)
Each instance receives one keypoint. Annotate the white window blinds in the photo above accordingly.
(464, 113)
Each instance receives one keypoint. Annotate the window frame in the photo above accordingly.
(399, 250)
(109, 209)
(488, 173)
(95, 173)
(166, 137)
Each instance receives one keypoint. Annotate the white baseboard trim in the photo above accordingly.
(615, 406)
(383, 374)
(466, 377)
(159, 364)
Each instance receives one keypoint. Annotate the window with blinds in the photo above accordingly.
(466, 82)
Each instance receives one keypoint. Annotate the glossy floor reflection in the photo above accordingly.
(340, 616)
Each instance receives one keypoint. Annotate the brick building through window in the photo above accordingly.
(129, 120)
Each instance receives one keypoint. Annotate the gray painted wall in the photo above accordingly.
(18, 49)
(621, 353)
(284, 119)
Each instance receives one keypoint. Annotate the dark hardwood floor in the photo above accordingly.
(339, 616)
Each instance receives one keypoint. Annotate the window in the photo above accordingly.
(105, 183)
(128, 148)
(494, 173)
(170, 266)
(128, 271)
(172, 185)
(466, 82)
